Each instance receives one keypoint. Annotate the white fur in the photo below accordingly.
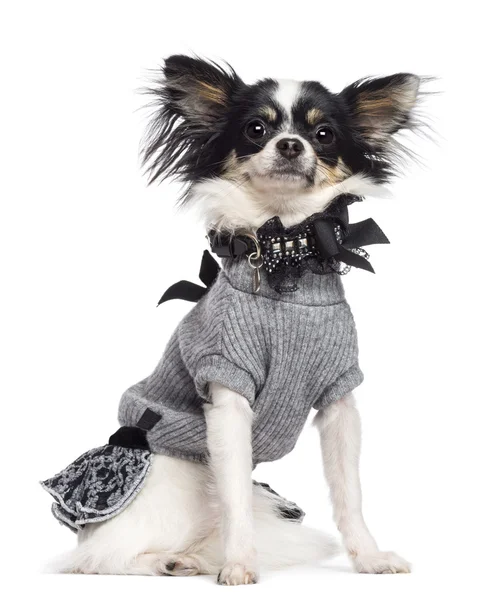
(229, 437)
(340, 435)
(192, 518)
(266, 161)
(173, 527)
(226, 205)
(286, 95)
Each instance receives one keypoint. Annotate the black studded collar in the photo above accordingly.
(324, 242)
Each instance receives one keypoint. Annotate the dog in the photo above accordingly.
(272, 167)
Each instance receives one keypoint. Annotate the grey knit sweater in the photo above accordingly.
(285, 353)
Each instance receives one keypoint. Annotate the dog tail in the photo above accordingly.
(281, 539)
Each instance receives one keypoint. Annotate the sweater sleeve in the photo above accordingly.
(199, 352)
(217, 368)
(345, 384)
(210, 347)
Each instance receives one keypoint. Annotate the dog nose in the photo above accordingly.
(290, 147)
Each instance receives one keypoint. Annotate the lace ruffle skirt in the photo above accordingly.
(98, 485)
(104, 481)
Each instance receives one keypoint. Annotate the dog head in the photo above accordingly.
(277, 147)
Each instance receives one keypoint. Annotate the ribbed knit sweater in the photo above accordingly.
(285, 353)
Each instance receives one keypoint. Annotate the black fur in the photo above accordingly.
(184, 137)
(204, 109)
(364, 150)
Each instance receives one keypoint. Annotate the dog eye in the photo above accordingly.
(255, 130)
(324, 135)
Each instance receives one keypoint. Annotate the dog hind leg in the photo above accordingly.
(173, 528)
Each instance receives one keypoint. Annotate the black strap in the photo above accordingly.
(230, 246)
(136, 436)
(148, 419)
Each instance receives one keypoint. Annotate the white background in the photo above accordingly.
(87, 249)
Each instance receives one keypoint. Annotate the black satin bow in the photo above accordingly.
(320, 242)
(186, 290)
(355, 235)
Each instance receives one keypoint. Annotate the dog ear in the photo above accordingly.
(379, 107)
(199, 90)
(191, 102)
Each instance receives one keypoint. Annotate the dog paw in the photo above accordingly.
(237, 574)
(381, 562)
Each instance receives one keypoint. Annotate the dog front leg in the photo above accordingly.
(340, 436)
(229, 436)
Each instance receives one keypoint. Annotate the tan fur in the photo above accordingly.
(268, 112)
(331, 174)
(232, 167)
(212, 93)
(374, 105)
(313, 115)
(385, 103)
(378, 112)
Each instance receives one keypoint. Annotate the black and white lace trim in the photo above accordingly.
(98, 485)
